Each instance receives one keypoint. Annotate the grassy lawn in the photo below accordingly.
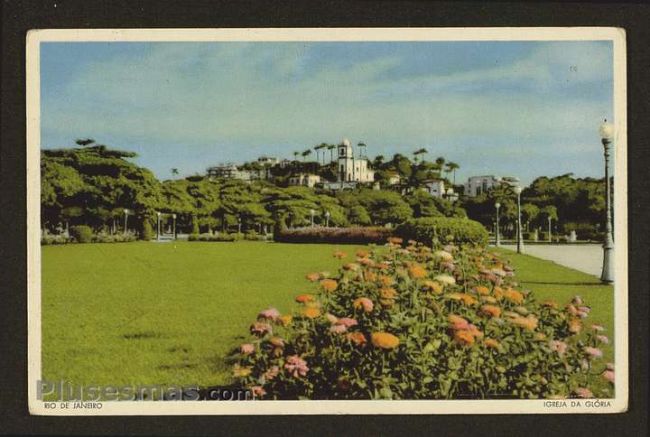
(145, 313)
(548, 280)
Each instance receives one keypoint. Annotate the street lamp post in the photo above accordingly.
(497, 238)
(126, 214)
(520, 236)
(158, 227)
(174, 225)
(607, 276)
(312, 213)
(327, 219)
(550, 238)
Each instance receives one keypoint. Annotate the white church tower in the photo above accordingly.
(351, 169)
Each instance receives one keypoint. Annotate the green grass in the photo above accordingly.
(146, 313)
(549, 280)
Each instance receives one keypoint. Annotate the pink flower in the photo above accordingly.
(365, 303)
(338, 329)
(347, 322)
(269, 314)
(577, 300)
(258, 391)
(260, 328)
(558, 346)
(247, 348)
(593, 352)
(583, 392)
(271, 373)
(296, 366)
(572, 310)
(597, 328)
(603, 339)
(609, 375)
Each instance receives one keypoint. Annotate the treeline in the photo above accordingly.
(93, 185)
(572, 204)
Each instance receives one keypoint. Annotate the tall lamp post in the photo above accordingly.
(126, 214)
(327, 219)
(497, 237)
(312, 213)
(607, 276)
(174, 225)
(158, 226)
(550, 237)
(520, 236)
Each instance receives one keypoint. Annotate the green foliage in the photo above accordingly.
(419, 324)
(433, 230)
(81, 233)
(223, 237)
(383, 206)
(147, 233)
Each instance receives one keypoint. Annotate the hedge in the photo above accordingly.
(81, 233)
(319, 234)
(426, 230)
(223, 237)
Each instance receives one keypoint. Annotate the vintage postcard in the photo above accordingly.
(327, 221)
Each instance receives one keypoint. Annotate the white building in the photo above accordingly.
(435, 187)
(305, 180)
(351, 168)
(394, 179)
(228, 171)
(268, 161)
(477, 185)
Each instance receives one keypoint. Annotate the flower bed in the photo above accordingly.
(419, 323)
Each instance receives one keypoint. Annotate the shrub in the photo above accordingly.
(532, 236)
(115, 238)
(54, 239)
(319, 234)
(421, 324)
(81, 233)
(214, 237)
(147, 230)
(584, 231)
(428, 230)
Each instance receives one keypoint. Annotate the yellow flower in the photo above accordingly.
(445, 279)
(384, 340)
(241, 372)
(575, 326)
(328, 284)
(513, 296)
(388, 293)
(311, 312)
(386, 281)
(443, 255)
(416, 271)
(285, 320)
(434, 286)
(395, 240)
(482, 290)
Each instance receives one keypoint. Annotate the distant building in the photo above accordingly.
(477, 185)
(228, 171)
(304, 180)
(394, 179)
(284, 163)
(435, 187)
(268, 161)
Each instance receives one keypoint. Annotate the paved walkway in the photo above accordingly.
(587, 258)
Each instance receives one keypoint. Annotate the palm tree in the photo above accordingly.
(452, 167)
(440, 161)
(84, 142)
(420, 151)
(330, 148)
(378, 161)
(362, 149)
(318, 149)
(305, 154)
(295, 155)
(174, 172)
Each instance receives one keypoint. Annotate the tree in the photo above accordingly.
(305, 154)
(83, 142)
(331, 148)
(451, 168)
(529, 213)
(295, 154)
(417, 153)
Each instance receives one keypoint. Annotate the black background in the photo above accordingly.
(20, 16)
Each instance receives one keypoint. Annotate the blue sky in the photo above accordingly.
(507, 108)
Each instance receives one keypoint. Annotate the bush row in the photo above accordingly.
(319, 234)
(84, 234)
(429, 230)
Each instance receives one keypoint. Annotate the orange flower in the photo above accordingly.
(465, 298)
(366, 262)
(384, 340)
(339, 254)
(363, 303)
(434, 286)
(491, 310)
(550, 304)
(466, 338)
(382, 266)
(386, 281)
(388, 293)
(351, 266)
(357, 338)
(313, 277)
(498, 292)
(370, 276)
(416, 271)
(482, 290)
(457, 322)
(491, 343)
(329, 284)
(361, 253)
(311, 312)
(276, 341)
(395, 240)
(575, 326)
(513, 296)
(304, 298)
(285, 320)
